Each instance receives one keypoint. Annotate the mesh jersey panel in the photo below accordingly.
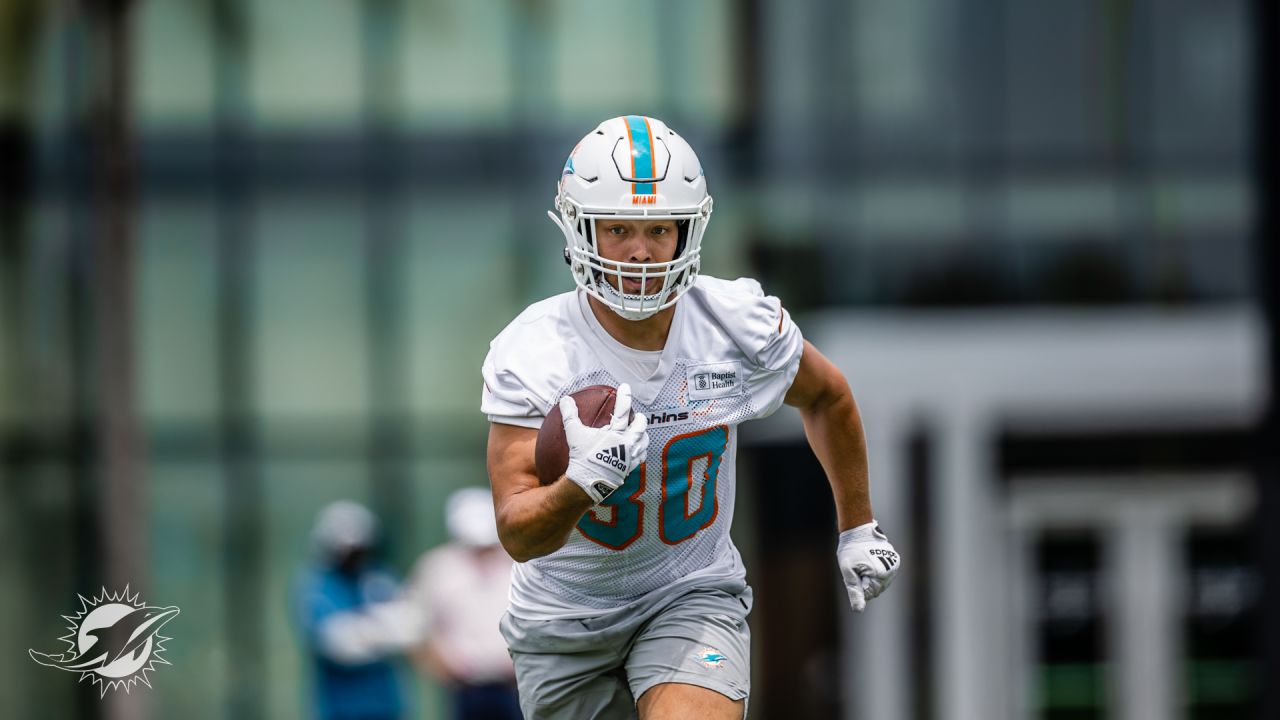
(587, 573)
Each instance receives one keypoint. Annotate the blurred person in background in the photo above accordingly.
(460, 591)
(352, 623)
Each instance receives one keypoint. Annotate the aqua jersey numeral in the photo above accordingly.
(688, 461)
(625, 510)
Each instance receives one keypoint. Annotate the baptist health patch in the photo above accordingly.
(714, 380)
(710, 657)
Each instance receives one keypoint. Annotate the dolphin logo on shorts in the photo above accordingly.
(710, 657)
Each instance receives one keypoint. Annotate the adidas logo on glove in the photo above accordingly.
(615, 456)
(888, 557)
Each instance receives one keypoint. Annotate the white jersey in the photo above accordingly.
(730, 356)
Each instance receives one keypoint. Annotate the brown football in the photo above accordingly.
(551, 454)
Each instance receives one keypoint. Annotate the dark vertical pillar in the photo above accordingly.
(19, 25)
(1267, 457)
(798, 600)
(384, 285)
(119, 437)
(80, 450)
(121, 500)
(17, 54)
(920, 449)
(243, 519)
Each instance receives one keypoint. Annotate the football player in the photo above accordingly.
(628, 596)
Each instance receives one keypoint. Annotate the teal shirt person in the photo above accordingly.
(347, 609)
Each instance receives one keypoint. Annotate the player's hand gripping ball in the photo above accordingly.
(868, 563)
(594, 438)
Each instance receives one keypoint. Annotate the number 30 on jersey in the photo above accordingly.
(682, 457)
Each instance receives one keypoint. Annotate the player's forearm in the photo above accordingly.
(834, 429)
(538, 521)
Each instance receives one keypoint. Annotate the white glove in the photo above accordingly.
(868, 563)
(601, 458)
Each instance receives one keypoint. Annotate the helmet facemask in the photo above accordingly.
(602, 278)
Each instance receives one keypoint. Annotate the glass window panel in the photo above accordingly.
(792, 210)
(457, 63)
(1196, 80)
(726, 245)
(306, 69)
(50, 101)
(177, 305)
(1061, 75)
(905, 86)
(310, 336)
(186, 507)
(699, 63)
(603, 60)
(462, 261)
(788, 91)
(173, 64)
(48, 366)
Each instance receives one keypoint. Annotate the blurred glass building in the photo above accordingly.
(266, 243)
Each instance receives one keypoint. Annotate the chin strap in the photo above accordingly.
(615, 299)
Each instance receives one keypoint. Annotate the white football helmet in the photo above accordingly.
(633, 168)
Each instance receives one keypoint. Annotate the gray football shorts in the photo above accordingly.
(594, 669)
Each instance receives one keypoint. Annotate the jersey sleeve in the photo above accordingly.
(765, 339)
(778, 359)
(525, 369)
(506, 398)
